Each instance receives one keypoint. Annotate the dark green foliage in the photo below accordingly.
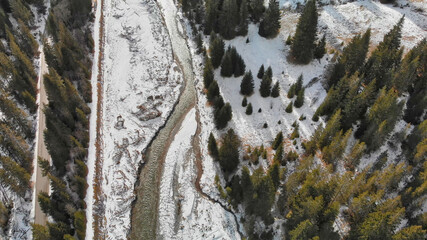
(300, 99)
(232, 63)
(291, 91)
(303, 42)
(260, 72)
(222, 116)
(229, 152)
(80, 224)
(249, 109)
(275, 91)
(320, 49)
(269, 72)
(14, 176)
(274, 172)
(270, 25)
(351, 59)
(265, 88)
(291, 156)
(417, 86)
(212, 146)
(289, 107)
(257, 9)
(242, 28)
(244, 102)
(381, 119)
(385, 59)
(289, 40)
(227, 66)
(278, 140)
(40, 232)
(211, 16)
(278, 156)
(208, 74)
(228, 19)
(199, 43)
(213, 91)
(217, 49)
(247, 84)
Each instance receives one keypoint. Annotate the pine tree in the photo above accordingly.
(213, 91)
(300, 99)
(229, 19)
(249, 109)
(289, 107)
(291, 91)
(257, 9)
(217, 49)
(199, 43)
(278, 140)
(270, 25)
(244, 102)
(211, 16)
(239, 66)
(21, 11)
(303, 42)
(212, 146)
(320, 49)
(275, 91)
(260, 72)
(274, 173)
(269, 72)
(385, 58)
(40, 232)
(381, 118)
(278, 156)
(325, 136)
(208, 74)
(223, 116)
(243, 18)
(229, 152)
(265, 88)
(289, 40)
(247, 84)
(227, 66)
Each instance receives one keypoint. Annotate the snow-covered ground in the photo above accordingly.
(141, 84)
(183, 212)
(340, 23)
(92, 128)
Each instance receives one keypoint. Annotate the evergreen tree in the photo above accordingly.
(217, 49)
(229, 152)
(385, 58)
(303, 43)
(260, 72)
(332, 127)
(300, 99)
(320, 49)
(40, 232)
(289, 107)
(270, 25)
(274, 173)
(244, 102)
(289, 40)
(208, 74)
(257, 9)
(211, 16)
(212, 146)
(291, 91)
(269, 72)
(381, 119)
(247, 84)
(227, 66)
(213, 91)
(278, 140)
(223, 115)
(243, 18)
(275, 91)
(278, 156)
(229, 19)
(249, 109)
(265, 88)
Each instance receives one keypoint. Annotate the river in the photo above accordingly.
(145, 208)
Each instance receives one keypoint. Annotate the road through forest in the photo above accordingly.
(41, 183)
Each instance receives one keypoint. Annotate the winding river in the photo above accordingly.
(145, 207)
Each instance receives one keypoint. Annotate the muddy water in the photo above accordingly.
(144, 210)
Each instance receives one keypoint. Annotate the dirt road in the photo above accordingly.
(41, 183)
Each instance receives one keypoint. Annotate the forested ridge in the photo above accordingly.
(67, 44)
(320, 191)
